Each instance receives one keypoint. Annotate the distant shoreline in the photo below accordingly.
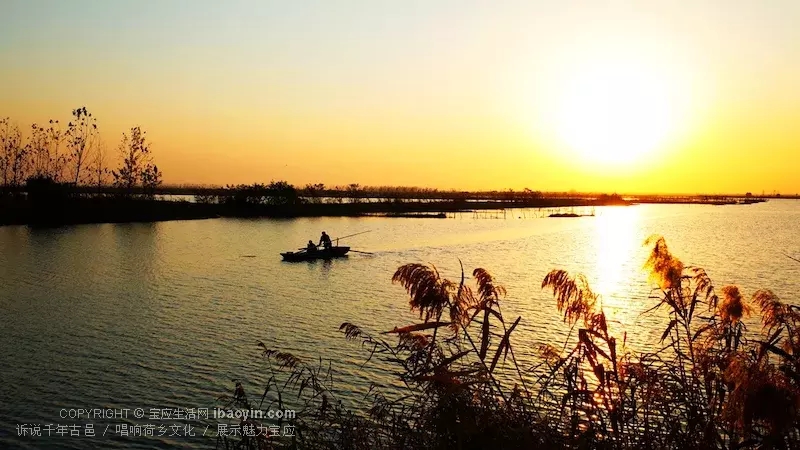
(120, 210)
(82, 209)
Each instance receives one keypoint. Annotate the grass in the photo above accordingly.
(710, 385)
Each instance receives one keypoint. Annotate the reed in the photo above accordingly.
(710, 385)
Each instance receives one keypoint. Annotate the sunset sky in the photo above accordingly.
(674, 96)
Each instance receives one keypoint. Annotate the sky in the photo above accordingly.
(633, 97)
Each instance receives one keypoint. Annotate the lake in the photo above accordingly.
(166, 315)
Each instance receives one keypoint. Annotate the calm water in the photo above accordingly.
(165, 315)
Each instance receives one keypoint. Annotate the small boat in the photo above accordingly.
(304, 255)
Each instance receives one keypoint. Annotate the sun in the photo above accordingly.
(615, 114)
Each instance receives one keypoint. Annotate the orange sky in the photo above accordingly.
(672, 97)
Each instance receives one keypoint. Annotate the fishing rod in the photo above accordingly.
(351, 235)
(343, 237)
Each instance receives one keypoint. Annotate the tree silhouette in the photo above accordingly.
(314, 192)
(82, 136)
(15, 158)
(137, 164)
(354, 192)
(99, 170)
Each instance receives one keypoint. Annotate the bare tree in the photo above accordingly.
(82, 137)
(57, 160)
(354, 192)
(13, 156)
(39, 151)
(43, 144)
(137, 164)
(314, 192)
(6, 137)
(99, 169)
(151, 179)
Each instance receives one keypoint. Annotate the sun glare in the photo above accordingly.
(616, 244)
(615, 115)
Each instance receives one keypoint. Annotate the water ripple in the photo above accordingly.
(168, 314)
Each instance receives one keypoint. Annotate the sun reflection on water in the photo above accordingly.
(617, 245)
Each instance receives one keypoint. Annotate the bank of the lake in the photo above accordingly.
(20, 210)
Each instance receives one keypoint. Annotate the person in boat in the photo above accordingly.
(325, 241)
(310, 247)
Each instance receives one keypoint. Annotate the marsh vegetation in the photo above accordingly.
(710, 384)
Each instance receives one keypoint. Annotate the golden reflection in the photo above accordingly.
(616, 240)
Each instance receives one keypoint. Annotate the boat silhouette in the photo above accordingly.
(305, 255)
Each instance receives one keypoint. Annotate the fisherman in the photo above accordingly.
(325, 241)
(311, 248)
